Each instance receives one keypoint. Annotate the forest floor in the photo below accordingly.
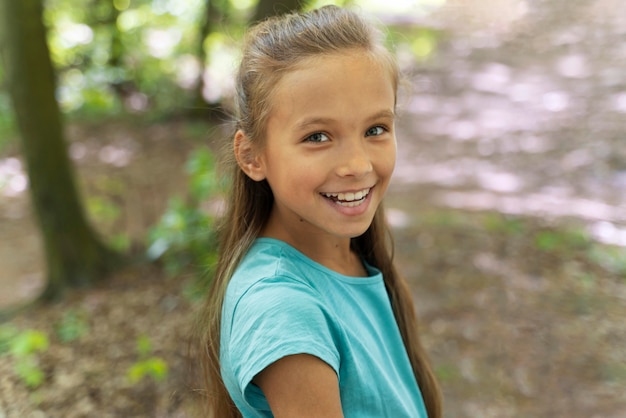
(508, 207)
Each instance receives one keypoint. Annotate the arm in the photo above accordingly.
(301, 386)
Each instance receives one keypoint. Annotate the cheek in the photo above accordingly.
(387, 160)
(292, 176)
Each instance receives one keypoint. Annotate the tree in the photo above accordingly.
(214, 18)
(267, 8)
(75, 256)
(215, 14)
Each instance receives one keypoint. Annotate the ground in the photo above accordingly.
(508, 208)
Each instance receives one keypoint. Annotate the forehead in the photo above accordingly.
(335, 83)
(322, 64)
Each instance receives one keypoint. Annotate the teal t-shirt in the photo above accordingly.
(280, 302)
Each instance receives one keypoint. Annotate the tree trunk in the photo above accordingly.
(215, 14)
(267, 8)
(74, 254)
(106, 21)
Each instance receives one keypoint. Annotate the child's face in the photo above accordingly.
(330, 147)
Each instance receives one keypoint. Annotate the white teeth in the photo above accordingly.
(349, 204)
(348, 199)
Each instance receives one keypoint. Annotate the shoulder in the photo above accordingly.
(270, 312)
(267, 262)
(273, 261)
(270, 285)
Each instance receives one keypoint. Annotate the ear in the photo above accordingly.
(247, 158)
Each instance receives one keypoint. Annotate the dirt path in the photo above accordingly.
(524, 116)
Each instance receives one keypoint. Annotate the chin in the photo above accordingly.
(354, 234)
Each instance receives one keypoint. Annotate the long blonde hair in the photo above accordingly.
(271, 49)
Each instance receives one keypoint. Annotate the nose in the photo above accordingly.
(354, 159)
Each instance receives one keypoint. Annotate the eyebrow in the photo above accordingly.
(307, 122)
(383, 114)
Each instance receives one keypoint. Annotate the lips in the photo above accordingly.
(348, 199)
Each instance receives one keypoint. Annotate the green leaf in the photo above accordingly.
(547, 241)
(7, 333)
(144, 346)
(120, 242)
(27, 368)
(201, 169)
(72, 326)
(612, 258)
(102, 209)
(157, 368)
(28, 342)
(136, 372)
(153, 367)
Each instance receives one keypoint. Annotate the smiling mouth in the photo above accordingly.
(348, 199)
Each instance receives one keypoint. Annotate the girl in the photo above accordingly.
(307, 316)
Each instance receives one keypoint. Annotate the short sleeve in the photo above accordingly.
(274, 318)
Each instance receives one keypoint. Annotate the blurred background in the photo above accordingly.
(508, 202)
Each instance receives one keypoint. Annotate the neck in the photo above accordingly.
(334, 253)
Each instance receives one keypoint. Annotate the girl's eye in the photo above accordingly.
(375, 131)
(317, 137)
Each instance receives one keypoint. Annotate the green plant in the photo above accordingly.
(147, 365)
(183, 238)
(425, 43)
(7, 124)
(444, 218)
(120, 242)
(612, 258)
(507, 225)
(7, 333)
(562, 240)
(185, 235)
(103, 209)
(24, 347)
(72, 326)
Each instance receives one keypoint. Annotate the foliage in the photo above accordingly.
(120, 242)
(72, 326)
(139, 55)
(612, 258)
(98, 49)
(118, 56)
(147, 365)
(104, 209)
(107, 212)
(561, 240)
(499, 223)
(185, 236)
(24, 346)
(6, 120)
